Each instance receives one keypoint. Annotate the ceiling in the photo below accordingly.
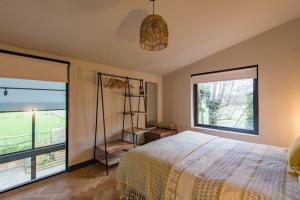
(107, 31)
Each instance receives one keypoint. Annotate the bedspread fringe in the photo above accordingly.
(129, 193)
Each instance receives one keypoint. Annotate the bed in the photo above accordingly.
(192, 165)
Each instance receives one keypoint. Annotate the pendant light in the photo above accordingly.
(154, 32)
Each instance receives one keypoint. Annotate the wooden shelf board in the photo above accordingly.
(115, 146)
(151, 127)
(112, 159)
(137, 131)
(135, 112)
(135, 95)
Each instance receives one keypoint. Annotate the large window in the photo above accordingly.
(227, 100)
(32, 130)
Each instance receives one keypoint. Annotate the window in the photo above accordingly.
(32, 130)
(227, 100)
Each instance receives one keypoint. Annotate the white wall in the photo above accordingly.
(277, 52)
(83, 101)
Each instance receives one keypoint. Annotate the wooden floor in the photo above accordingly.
(87, 183)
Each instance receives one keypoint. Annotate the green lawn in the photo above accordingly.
(14, 124)
(16, 129)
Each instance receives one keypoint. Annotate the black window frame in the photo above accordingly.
(33, 152)
(255, 130)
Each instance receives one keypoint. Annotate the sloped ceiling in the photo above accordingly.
(107, 31)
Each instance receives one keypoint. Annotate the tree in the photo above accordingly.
(226, 102)
(213, 102)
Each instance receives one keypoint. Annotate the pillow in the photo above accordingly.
(294, 154)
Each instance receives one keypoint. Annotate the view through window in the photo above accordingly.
(226, 105)
(32, 130)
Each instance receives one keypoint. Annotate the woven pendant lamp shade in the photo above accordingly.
(154, 33)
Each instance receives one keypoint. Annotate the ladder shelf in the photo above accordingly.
(111, 152)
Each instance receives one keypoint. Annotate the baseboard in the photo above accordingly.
(81, 165)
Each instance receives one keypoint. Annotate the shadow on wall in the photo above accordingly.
(77, 6)
(129, 29)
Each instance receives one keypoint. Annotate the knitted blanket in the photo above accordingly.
(192, 165)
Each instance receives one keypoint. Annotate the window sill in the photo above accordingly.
(217, 132)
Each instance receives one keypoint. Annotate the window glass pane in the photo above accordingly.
(13, 98)
(15, 173)
(226, 104)
(27, 100)
(50, 163)
(32, 115)
(50, 127)
(15, 132)
(23, 83)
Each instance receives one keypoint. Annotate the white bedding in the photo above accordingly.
(192, 165)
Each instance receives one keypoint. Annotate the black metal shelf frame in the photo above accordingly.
(128, 94)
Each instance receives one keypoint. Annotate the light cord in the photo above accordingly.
(153, 6)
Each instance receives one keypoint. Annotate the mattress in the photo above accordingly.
(192, 165)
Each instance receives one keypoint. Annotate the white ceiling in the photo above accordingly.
(107, 31)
